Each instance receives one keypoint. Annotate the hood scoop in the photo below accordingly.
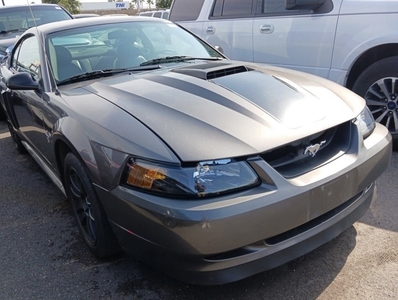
(212, 70)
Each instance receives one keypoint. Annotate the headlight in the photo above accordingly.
(366, 122)
(207, 178)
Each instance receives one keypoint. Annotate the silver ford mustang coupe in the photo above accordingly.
(209, 169)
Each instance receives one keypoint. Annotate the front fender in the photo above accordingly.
(70, 132)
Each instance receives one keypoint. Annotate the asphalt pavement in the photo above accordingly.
(43, 257)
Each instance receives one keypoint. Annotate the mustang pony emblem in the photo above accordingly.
(313, 149)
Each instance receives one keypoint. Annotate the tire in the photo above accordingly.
(90, 216)
(378, 85)
(16, 139)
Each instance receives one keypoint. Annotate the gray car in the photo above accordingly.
(209, 169)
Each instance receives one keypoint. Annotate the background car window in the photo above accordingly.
(146, 14)
(28, 59)
(224, 8)
(270, 6)
(23, 17)
(186, 10)
(278, 7)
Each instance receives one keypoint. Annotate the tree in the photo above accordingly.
(163, 3)
(150, 2)
(73, 6)
(133, 3)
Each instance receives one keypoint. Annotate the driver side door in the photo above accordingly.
(25, 106)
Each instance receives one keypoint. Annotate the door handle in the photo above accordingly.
(210, 30)
(267, 29)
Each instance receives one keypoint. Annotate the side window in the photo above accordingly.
(278, 7)
(157, 14)
(185, 10)
(28, 58)
(233, 8)
(273, 6)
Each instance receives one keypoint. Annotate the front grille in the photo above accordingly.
(290, 160)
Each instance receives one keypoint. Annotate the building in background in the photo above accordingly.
(96, 6)
(88, 6)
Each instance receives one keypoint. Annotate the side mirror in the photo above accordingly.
(219, 49)
(304, 4)
(22, 81)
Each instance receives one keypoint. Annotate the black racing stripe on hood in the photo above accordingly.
(207, 94)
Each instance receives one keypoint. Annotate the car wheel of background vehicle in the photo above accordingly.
(378, 84)
(90, 216)
(15, 138)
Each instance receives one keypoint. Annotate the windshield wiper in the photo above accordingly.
(8, 31)
(102, 73)
(177, 58)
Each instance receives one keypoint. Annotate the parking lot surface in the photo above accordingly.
(43, 257)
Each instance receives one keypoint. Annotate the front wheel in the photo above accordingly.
(90, 216)
(378, 85)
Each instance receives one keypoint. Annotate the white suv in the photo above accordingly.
(163, 14)
(352, 42)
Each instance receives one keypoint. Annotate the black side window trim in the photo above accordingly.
(257, 11)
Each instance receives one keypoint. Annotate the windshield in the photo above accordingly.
(117, 46)
(20, 18)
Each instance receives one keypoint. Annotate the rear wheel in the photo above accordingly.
(15, 138)
(90, 216)
(378, 85)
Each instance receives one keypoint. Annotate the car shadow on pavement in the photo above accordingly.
(384, 209)
(303, 278)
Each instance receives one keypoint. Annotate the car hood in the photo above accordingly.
(228, 109)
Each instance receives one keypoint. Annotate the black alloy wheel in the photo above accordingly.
(90, 216)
